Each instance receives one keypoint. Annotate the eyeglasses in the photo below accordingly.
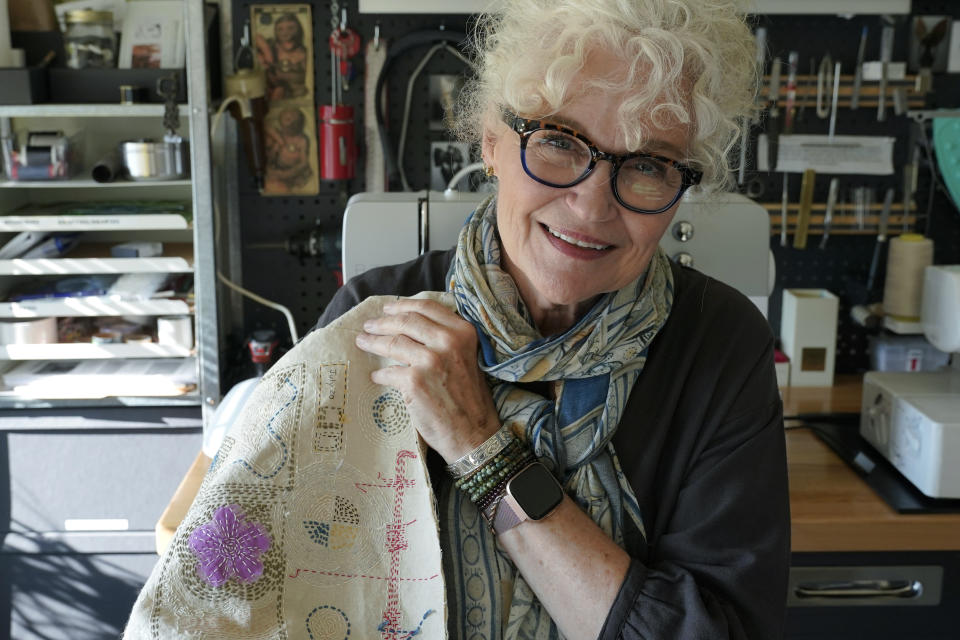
(560, 157)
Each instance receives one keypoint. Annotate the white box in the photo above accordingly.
(808, 333)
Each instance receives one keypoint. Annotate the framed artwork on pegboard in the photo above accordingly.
(283, 42)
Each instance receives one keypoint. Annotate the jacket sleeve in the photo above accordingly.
(717, 564)
(721, 573)
(426, 273)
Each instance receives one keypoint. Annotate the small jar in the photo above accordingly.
(90, 40)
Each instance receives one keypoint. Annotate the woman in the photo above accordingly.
(645, 389)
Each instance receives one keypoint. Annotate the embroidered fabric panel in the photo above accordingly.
(316, 519)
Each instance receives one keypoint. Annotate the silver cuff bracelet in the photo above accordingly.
(469, 462)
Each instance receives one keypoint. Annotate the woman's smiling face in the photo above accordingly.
(564, 247)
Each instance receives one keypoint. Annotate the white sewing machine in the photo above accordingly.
(727, 237)
(913, 419)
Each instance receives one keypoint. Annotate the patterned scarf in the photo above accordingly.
(592, 367)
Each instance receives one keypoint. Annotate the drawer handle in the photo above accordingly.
(860, 589)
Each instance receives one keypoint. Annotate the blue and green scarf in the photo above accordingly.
(592, 367)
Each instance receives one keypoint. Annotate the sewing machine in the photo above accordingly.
(913, 418)
(726, 237)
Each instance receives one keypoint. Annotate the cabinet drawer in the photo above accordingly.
(93, 479)
(897, 595)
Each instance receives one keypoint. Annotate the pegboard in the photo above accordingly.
(306, 285)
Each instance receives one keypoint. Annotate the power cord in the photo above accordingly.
(291, 324)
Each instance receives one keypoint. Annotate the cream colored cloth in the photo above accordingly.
(316, 519)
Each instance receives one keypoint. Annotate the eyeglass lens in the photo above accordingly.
(560, 159)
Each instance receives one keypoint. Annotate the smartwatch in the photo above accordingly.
(532, 494)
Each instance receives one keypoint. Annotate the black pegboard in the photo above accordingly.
(306, 285)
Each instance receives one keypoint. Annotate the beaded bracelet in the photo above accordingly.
(466, 483)
(516, 463)
(490, 476)
(501, 488)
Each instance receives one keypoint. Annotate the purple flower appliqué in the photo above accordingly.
(229, 546)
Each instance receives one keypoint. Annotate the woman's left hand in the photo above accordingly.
(442, 386)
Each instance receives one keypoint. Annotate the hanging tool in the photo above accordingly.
(374, 167)
(338, 145)
(886, 55)
(244, 58)
(246, 95)
(344, 44)
(881, 239)
(784, 207)
(824, 81)
(792, 60)
(828, 214)
(858, 72)
(928, 41)
(806, 204)
(910, 172)
(773, 113)
(834, 100)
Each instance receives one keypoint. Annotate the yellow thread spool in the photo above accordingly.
(909, 254)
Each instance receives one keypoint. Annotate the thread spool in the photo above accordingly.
(909, 254)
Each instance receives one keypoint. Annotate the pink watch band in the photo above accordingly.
(509, 514)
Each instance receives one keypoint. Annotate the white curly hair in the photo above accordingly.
(686, 61)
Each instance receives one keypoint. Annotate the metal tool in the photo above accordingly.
(806, 204)
(773, 127)
(886, 54)
(792, 60)
(834, 100)
(881, 238)
(828, 214)
(824, 81)
(858, 72)
(910, 173)
(784, 206)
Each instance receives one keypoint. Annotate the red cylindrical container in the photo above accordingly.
(338, 150)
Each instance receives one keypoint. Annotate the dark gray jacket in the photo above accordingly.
(702, 443)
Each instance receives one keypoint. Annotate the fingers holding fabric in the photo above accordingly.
(437, 375)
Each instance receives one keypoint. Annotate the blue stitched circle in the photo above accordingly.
(390, 413)
(331, 623)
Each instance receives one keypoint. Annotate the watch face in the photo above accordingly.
(536, 491)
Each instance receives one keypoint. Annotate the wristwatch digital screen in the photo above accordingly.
(532, 494)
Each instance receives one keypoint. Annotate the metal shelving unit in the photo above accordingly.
(104, 125)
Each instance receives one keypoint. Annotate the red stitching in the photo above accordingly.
(347, 575)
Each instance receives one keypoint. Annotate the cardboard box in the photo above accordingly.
(808, 333)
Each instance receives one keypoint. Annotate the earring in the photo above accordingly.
(488, 171)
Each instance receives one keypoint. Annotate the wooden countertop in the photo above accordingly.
(831, 508)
